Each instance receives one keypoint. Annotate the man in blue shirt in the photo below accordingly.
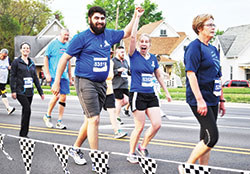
(53, 54)
(92, 51)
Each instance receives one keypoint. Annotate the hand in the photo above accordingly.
(222, 109)
(42, 97)
(55, 88)
(169, 98)
(13, 95)
(139, 11)
(202, 107)
(48, 78)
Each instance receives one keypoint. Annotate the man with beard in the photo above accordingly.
(53, 54)
(92, 51)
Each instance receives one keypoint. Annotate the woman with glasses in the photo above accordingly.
(203, 87)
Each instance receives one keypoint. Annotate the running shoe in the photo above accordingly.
(60, 125)
(119, 120)
(181, 169)
(132, 158)
(125, 112)
(77, 155)
(142, 152)
(11, 110)
(120, 134)
(47, 121)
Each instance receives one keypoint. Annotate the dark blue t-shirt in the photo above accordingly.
(204, 61)
(142, 72)
(92, 53)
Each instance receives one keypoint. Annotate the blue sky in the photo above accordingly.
(178, 13)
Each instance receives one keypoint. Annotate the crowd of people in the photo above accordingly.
(101, 82)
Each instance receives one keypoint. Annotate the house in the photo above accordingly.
(40, 42)
(168, 44)
(234, 48)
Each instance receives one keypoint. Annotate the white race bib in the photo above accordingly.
(100, 65)
(217, 87)
(124, 74)
(146, 80)
(28, 82)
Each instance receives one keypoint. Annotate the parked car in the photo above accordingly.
(236, 83)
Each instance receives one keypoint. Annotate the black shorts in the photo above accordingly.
(2, 88)
(109, 102)
(142, 101)
(119, 93)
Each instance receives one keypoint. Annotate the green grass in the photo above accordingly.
(235, 95)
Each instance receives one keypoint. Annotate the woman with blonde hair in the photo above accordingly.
(203, 87)
(142, 98)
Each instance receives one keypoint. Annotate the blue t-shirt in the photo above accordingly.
(204, 61)
(92, 53)
(54, 52)
(142, 72)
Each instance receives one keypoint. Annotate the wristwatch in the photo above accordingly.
(222, 100)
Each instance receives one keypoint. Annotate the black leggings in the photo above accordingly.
(208, 131)
(26, 112)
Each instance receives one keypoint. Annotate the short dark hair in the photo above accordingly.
(96, 9)
(120, 47)
(21, 45)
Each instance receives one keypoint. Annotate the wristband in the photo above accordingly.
(223, 100)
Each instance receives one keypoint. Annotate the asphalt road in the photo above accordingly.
(173, 143)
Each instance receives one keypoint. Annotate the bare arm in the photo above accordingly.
(69, 72)
(132, 44)
(60, 68)
(201, 104)
(159, 77)
(46, 68)
(222, 108)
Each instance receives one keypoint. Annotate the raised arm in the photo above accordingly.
(132, 45)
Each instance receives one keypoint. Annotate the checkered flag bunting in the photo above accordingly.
(63, 155)
(148, 165)
(99, 161)
(27, 147)
(2, 147)
(246, 172)
(196, 169)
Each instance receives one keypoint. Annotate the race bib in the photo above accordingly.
(28, 82)
(124, 74)
(217, 87)
(100, 65)
(146, 80)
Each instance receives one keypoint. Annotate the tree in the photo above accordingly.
(22, 17)
(179, 70)
(218, 32)
(126, 11)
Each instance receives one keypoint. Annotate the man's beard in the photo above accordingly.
(95, 29)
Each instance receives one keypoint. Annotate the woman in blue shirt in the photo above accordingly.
(203, 87)
(142, 97)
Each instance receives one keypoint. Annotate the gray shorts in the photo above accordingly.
(91, 95)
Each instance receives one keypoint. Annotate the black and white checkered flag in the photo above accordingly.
(99, 161)
(63, 155)
(196, 169)
(148, 165)
(246, 172)
(2, 147)
(27, 148)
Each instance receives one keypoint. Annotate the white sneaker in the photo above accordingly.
(47, 121)
(11, 110)
(119, 121)
(60, 125)
(120, 134)
(77, 155)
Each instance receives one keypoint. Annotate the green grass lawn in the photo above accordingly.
(236, 95)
